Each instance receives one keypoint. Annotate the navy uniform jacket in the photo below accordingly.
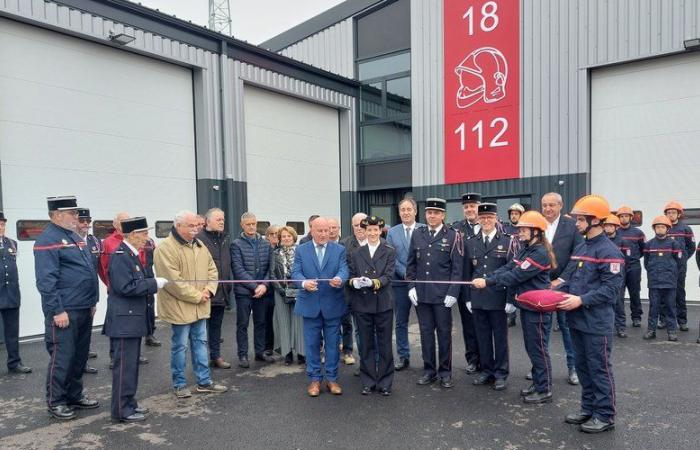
(634, 239)
(129, 288)
(466, 228)
(528, 271)
(596, 275)
(65, 272)
(684, 235)
(439, 258)
(380, 267)
(479, 261)
(623, 246)
(511, 229)
(565, 241)
(663, 260)
(9, 277)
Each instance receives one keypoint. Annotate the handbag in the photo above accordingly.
(290, 295)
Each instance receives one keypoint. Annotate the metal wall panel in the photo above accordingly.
(331, 49)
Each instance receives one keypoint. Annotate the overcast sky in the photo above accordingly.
(254, 21)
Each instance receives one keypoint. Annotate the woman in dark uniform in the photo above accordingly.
(528, 271)
(372, 303)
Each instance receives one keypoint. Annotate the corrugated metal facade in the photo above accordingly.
(561, 40)
(331, 49)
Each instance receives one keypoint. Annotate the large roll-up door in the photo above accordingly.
(644, 134)
(292, 157)
(114, 128)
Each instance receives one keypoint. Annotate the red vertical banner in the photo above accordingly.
(482, 90)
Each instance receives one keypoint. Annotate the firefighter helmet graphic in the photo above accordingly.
(482, 76)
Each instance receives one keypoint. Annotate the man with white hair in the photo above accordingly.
(185, 304)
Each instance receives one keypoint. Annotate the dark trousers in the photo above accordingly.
(246, 304)
(68, 350)
(125, 376)
(435, 320)
(492, 335)
(151, 315)
(595, 374)
(376, 354)
(346, 332)
(216, 318)
(662, 300)
(471, 346)
(403, 312)
(633, 283)
(565, 337)
(681, 308)
(10, 327)
(535, 327)
(269, 314)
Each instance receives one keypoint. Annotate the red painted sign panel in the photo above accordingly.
(482, 90)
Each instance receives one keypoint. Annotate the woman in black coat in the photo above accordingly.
(372, 303)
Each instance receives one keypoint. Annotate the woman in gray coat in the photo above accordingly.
(289, 327)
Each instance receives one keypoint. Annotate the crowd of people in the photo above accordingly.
(319, 297)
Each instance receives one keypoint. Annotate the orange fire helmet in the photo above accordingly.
(612, 220)
(661, 220)
(532, 219)
(674, 205)
(592, 205)
(624, 209)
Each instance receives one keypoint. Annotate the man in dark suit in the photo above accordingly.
(469, 227)
(308, 237)
(399, 237)
(564, 237)
(127, 317)
(371, 299)
(436, 255)
(323, 269)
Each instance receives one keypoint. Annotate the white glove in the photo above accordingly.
(510, 308)
(469, 306)
(366, 282)
(450, 301)
(413, 296)
(161, 282)
(357, 283)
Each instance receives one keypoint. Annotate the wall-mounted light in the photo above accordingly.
(692, 44)
(121, 38)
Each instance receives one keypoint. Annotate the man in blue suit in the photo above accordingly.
(564, 237)
(399, 237)
(321, 303)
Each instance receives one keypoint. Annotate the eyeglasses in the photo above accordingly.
(85, 220)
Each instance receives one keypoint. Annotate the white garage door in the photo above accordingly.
(113, 128)
(292, 157)
(645, 134)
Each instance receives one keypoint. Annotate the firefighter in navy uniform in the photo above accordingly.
(515, 211)
(10, 300)
(611, 228)
(528, 271)
(130, 285)
(663, 260)
(483, 254)
(94, 246)
(684, 235)
(67, 281)
(594, 279)
(634, 240)
(436, 254)
(468, 227)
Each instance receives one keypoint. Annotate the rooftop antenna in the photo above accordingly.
(220, 16)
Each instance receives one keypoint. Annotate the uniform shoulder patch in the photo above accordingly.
(615, 267)
(525, 264)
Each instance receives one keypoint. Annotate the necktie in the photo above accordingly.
(319, 254)
(408, 234)
(432, 233)
(486, 241)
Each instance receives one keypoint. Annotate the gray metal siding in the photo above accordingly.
(331, 49)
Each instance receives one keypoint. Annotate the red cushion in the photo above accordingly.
(543, 300)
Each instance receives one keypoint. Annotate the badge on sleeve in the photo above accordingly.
(526, 264)
(615, 267)
(138, 269)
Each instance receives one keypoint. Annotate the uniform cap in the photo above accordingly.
(64, 203)
(436, 203)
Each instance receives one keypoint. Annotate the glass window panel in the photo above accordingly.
(383, 211)
(28, 230)
(262, 226)
(385, 30)
(386, 140)
(102, 228)
(298, 227)
(400, 88)
(371, 101)
(385, 66)
(163, 228)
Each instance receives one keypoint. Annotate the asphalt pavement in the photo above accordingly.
(267, 407)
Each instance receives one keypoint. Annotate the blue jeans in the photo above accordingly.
(403, 312)
(196, 334)
(565, 337)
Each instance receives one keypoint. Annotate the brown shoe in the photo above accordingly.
(219, 363)
(314, 389)
(334, 388)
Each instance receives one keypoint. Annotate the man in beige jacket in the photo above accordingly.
(185, 304)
